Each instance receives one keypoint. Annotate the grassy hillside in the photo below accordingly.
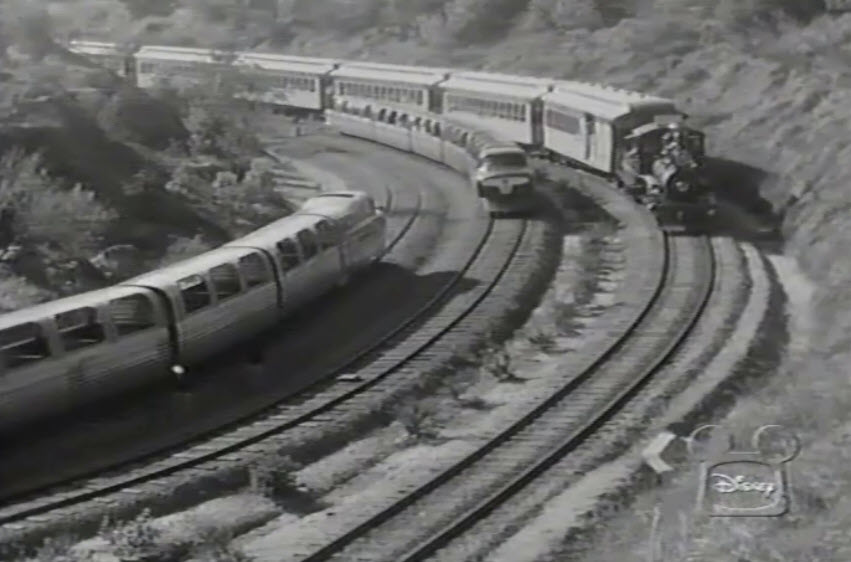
(150, 175)
(770, 81)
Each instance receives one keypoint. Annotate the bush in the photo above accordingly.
(17, 292)
(741, 12)
(184, 248)
(69, 222)
(135, 540)
(214, 546)
(418, 418)
(274, 476)
(566, 14)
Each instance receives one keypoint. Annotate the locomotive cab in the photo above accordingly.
(661, 165)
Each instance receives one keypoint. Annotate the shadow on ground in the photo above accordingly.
(294, 360)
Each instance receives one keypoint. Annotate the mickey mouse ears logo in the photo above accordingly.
(736, 482)
(774, 444)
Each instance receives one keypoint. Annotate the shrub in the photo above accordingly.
(57, 549)
(214, 546)
(566, 14)
(273, 475)
(17, 292)
(417, 417)
(742, 12)
(70, 222)
(499, 365)
(184, 248)
(137, 539)
(543, 340)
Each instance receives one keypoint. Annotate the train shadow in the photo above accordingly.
(743, 213)
(290, 362)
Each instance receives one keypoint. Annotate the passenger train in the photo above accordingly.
(638, 142)
(88, 347)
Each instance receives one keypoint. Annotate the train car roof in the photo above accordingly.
(272, 233)
(58, 306)
(190, 54)
(196, 265)
(604, 101)
(526, 87)
(421, 76)
(334, 204)
(93, 47)
(270, 61)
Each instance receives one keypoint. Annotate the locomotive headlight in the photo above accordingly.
(681, 186)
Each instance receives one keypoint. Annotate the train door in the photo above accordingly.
(605, 147)
(590, 139)
(534, 111)
(331, 260)
(315, 278)
(293, 275)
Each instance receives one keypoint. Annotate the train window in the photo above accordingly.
(313, 85)
(79, 328)
(225, 281)
(328, 234)
(288, 252)
(146, 67)
(562, 122)
(419, 98)
(342, 88)
(22, 344)
(436, 129)
(307, 240)
(132, 314)
(195, 293)
(589, 124)
(381, 113)
(391, 118)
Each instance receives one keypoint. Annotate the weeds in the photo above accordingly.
(57, 550)
(417, 417)
(499, 365)
(542, 340)
(136, 540)
(465, 401)
(273, 476)
(214, 545)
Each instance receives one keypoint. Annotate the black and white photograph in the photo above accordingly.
(425, 280)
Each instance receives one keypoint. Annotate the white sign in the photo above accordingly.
(653, 452)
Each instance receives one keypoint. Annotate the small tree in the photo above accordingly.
(184, 248)
(70, 222)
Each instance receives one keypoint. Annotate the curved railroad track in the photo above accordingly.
(477, 261)
(421, 519)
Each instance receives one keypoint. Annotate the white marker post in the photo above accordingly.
(663, 454)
